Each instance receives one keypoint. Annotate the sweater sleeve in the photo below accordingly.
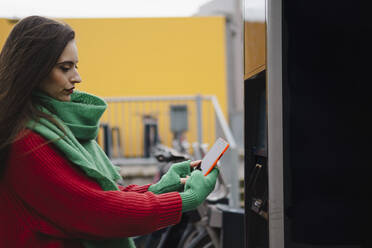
(135, 188)
(62, 194)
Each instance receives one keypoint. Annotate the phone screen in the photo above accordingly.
(211, 158)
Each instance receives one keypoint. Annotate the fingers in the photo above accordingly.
(183, 180)
(181, 168)
(195, 163)
(214, 173)
(196, 173)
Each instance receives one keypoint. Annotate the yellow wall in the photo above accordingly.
(150, 56)
(5, 27)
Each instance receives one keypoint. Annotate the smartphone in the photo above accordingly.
(210, 159)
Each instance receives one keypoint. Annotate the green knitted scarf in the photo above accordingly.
(80, 120)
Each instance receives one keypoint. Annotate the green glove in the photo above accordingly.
(197, 188)
(171, 181)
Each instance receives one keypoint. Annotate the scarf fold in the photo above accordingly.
(80, 120)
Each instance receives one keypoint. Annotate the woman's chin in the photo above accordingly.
(65, 98)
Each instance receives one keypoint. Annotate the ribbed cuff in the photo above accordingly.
(189, 201)
(153, 188)
(135, 188)
(170, 209)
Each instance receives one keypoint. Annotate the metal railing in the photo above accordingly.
(130, 125)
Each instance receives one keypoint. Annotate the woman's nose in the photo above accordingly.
(76, 78)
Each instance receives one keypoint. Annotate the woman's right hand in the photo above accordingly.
(197, 188)
(175, 177)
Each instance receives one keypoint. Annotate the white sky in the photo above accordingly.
(99, 8)
(254, 10)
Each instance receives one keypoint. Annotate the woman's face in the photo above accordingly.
(60, 82)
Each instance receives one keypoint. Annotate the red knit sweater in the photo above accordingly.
(45, 201)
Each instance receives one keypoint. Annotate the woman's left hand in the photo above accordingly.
(193, 164)
(175, 177)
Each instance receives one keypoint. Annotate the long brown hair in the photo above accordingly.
(28, 56)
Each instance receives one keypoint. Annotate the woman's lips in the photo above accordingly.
(70, 91)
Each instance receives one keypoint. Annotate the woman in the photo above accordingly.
(57, 187)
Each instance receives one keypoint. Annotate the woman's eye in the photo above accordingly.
(64, 68)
